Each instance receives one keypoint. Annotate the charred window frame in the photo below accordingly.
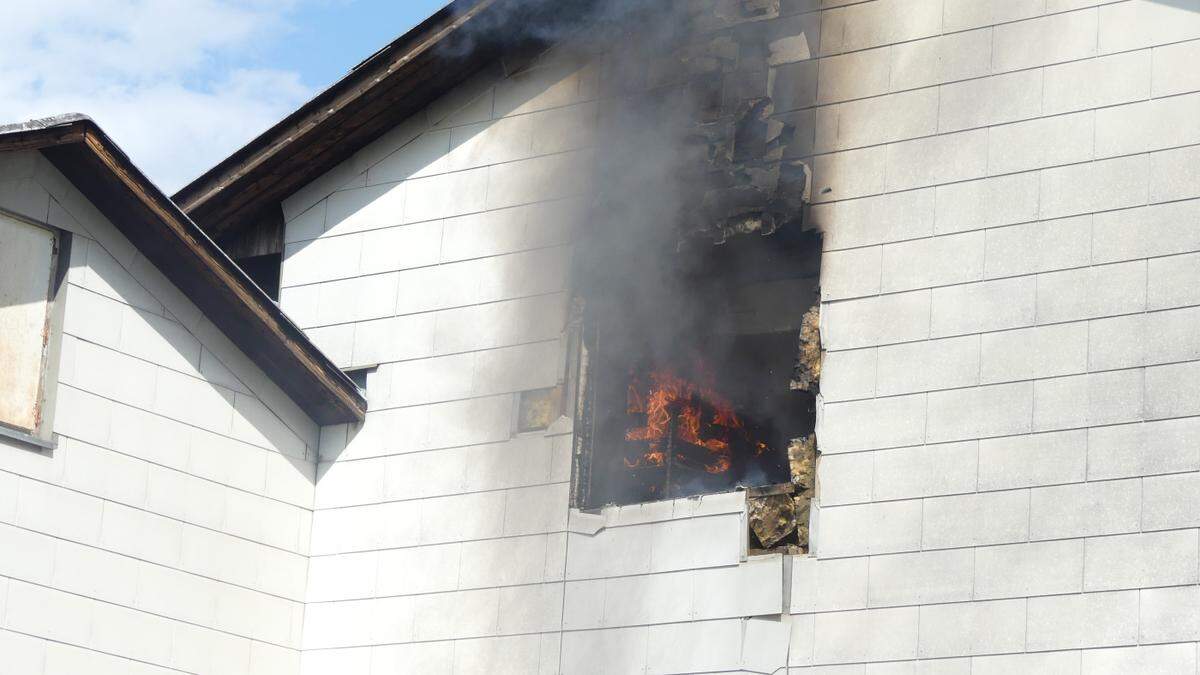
(767, 371)
(38, 270)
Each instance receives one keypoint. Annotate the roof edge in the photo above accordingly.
(295, 124)
(182, 251)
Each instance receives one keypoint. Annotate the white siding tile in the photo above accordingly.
(868, 322)
(1151, 125)
(1083, 400)
(1045, 40)
(1174, 174)
(1173, 73)
(989, 202)
(972, 628)
(975, 520)
(595, 652)
(985, 306)
(875, 423)
(847, 478)
(46, 613)
(1169, 614)
(1161, 229)
(1094, 186)
(1172, 391)
(938, 159)
(872, 220)
(1133, 25)
(922, 471)
(990, 100)
(1083, 620)
(850, 273)
(848, 374)
(1044, 351)
(1097, 82)
(980, 412)
(925, 578)
(29, 556)
(828, 585)
(1143, 449)
(963, 14)
(928, 365)
(879, 528)
(1031, 460)
(1141, 560)
(1051, 663)
(1039, 247)
(854, 75)
(936, 261)
(849, 174)
(58, 512)
(1179, 658)
(1047, 141)
(1172, 280)
(859, 123)
(866, 635)
(1171, 501)
(1085, 509)
(1022, 570)
(861, 26)
(946, 58)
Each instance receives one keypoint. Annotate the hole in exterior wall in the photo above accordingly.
(538, 408)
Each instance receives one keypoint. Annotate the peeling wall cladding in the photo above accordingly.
(168, 531)
(1008, 197)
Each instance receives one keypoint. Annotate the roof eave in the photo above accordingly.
(170, 240)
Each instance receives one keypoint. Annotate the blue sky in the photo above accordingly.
(329, 38)
(182, 83)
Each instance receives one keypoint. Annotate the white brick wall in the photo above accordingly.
(1008, 193)
(168, 531)
(1013, 412)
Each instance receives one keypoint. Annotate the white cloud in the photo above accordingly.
(169, 80)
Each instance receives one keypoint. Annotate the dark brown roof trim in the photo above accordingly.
(190, 260)
(382, 91)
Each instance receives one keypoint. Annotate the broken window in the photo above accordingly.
(695, 322)
(714, 393)
(29, 280)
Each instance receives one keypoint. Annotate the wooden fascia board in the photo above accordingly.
(192, 261)
(193, 199)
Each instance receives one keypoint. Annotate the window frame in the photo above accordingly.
(43, 436)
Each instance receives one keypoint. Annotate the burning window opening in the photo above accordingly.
(694, 336)
(717, 405)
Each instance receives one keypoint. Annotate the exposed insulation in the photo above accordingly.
(807, 372)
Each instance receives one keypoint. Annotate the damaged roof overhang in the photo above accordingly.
(382, 91)
(188, 258)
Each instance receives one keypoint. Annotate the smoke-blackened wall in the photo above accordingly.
(696, 231)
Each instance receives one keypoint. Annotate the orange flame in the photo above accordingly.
(669, 395)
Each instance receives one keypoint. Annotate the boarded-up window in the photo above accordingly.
(27, 264)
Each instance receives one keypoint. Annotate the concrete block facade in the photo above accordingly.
(985, 319)
(1008, 200)
(1009, 419)
(169, 529)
